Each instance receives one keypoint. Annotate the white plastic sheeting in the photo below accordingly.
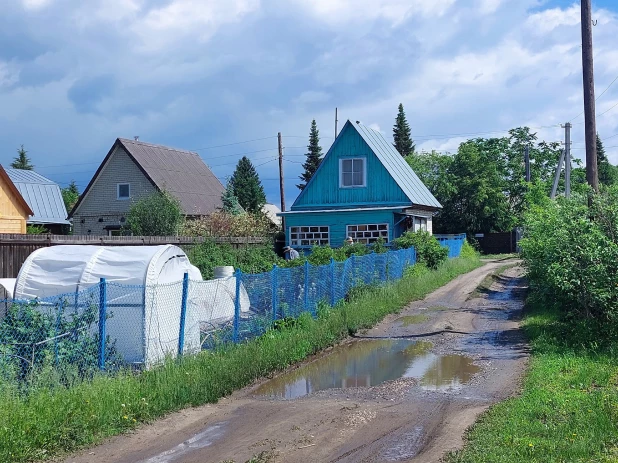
(145, 318)
(217, 301)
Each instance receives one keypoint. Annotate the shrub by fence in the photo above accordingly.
(67, 338)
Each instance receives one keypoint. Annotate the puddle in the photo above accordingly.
(198, 441)
(412, 319)
(371, 363)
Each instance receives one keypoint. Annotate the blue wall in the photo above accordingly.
(337, 221)
(323, 190)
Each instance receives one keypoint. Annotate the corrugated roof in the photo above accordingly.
(397, 166)
(42, 195)
(182, 173)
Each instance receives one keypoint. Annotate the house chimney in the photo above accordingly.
(358, 122)
(136, 137)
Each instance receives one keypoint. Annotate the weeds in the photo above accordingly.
(49, 421)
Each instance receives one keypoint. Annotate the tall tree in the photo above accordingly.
(70, 195)
(401, 134)
(607, 172)
(230, 201)
(314, 152)
(22, 161)
(246, 186)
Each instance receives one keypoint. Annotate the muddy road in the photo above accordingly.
(405, 390)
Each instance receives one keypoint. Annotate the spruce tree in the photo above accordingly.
(230, 201)
(607, 173)
(314, 152)
(22, 161)
(401, 134)
(70, 195)
(246, 186)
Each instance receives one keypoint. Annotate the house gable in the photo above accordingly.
(14, 210)
(323, 190)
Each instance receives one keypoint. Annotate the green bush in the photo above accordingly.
(159, 214)
(571, 254)
(468, 251)
(428, 249)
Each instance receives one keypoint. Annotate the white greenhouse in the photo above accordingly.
(144, 293)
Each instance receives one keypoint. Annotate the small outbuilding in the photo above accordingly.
(14, 210)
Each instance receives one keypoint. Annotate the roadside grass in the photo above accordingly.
(568, 407)
(51, 420)
(500, 256)
(485, 285)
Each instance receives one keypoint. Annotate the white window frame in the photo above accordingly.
(297, 241)
(122, 198)
(422, 223)
(364, 161)
(361, 236)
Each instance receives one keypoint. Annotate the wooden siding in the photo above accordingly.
(324, 191)
(101, 201)
(15, 249)
(337, 221)
(12, 215)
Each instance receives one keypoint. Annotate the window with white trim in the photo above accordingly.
(352, 172)
(420, 223)
(309, 236)
(124, 190)
(367, 234)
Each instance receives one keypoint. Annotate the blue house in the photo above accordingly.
(363, 189)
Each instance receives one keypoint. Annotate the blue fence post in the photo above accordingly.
(183, 314)
(333, 288)
(275, 293)
(238, 276)
(102, 321)
(353, 272)
(306, 294)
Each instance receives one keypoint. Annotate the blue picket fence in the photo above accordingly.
(109, 325)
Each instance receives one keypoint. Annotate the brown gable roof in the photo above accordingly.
(182, 173)
(15, 191)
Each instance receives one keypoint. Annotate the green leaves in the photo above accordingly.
(159, 214)
(401, 134)
(246, 186)
(314, 153)
(428, 250)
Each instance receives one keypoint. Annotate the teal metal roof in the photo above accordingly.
(42, 195)
(397, 167)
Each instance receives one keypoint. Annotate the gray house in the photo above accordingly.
(44, 198)
(134, 169)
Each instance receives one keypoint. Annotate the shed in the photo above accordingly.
(44, 198)
(14, 210)
(144, 293)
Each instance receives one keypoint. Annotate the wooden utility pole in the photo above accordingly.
(336, 120)
(281, 187)
(592, 175)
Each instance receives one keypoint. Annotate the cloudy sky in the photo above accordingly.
(199, 74)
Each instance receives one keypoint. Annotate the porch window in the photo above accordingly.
(420, 223)
(367, 234)
(309, 236)
(352, 173)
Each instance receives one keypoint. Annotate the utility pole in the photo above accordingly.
(336, 120)
(557, 176)
(281, 188)
(527, 162)
(592, 175)
(567, 160)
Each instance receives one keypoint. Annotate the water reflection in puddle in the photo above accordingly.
(370, 363)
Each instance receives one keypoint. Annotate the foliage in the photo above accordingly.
(22, 161)
(468, 251)
(608, 174)
(571, 253)
(428, 249)
(36, 230)
(433, 169)
(230, 201)
(250, 259)
(70, 195)
(314, 153)
(401, 134)
(159, 214)
(246, 186)
(223, 224)
(58, 420)
(378, 246)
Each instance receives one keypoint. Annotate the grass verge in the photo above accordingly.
(567, 410)
(54, 420)
(500, 256)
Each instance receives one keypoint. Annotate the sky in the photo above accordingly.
(223, 77)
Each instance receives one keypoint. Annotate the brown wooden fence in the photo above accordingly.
(14, 249)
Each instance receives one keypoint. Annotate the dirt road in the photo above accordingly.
(437, 365)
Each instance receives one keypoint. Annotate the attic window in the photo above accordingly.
(352, 173)
(124, 190)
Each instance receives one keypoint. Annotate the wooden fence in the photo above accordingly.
(14, 249)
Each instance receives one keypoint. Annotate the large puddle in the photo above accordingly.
(370, 363)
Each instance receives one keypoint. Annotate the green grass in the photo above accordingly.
(568, 407)
(412, 319)
(500, 256)
(54, 420)
(485, 285)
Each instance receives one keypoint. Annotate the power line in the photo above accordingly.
(597, 98)
(231, 144)
(605, 112)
